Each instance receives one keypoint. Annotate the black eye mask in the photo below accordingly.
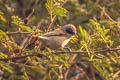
(70, 31)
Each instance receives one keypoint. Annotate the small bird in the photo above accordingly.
(59, 37)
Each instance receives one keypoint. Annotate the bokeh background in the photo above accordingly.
(95, 50)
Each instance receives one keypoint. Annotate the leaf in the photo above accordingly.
(2, 19)
(49, 5)
(3, 55)
(61, 1)
(18, 22)
(98, 68)
(26, 28)
(83, 33)
(3, 35)
(73, 39)
(59, 11)
(3, 27)
(1, 13)
(6, 67)
(86, 47)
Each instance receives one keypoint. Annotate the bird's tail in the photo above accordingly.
(42, 37)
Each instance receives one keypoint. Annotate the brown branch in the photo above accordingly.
(21, 57)
(82, 72)
(84, 65)
(41, 55)
(18, 32)
(52, 20)
(116, 74)
(78, 52)
(106, 14)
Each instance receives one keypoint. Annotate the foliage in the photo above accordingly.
(94, 52)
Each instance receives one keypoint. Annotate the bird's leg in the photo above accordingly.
(69, 49)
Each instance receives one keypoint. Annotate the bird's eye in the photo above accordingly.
(70, 31)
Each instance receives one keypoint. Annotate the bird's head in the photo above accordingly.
(69, 29)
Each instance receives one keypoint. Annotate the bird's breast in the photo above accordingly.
(65, 42)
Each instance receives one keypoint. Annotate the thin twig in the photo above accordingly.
(106, 15)
(18, 32)
(53, 17)
(75, 52)
(82, 72)
(21, 57)
(52, 20)
(116, 74)
(84, 65)
(78, 52)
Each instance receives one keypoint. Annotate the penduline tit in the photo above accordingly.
(59, 37)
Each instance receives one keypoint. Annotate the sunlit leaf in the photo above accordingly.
(26, 28)
(2, 19)
(6, 67)
(59, 11)
(3, 35)
(3, 55)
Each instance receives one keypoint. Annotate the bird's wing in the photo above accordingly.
(56, 32)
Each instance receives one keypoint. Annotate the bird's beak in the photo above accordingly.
(76, 35)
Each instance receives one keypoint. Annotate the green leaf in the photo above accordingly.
(83, 33)
(73, 39)
(61, 1)
(26, 28)
(86, 47)
(3, 35)
(98, 68)
(18, 22)
(6, 67)
(2, 19)
(49, 5)
(3, 55)
(3, 27)
(1, 13)
(59, 11)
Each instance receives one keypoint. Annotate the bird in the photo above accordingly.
(59, 37)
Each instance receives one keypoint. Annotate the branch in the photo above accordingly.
(78, 52)
(53, 17)
(41, 55)
(18, 32)
(106, 15)
(21, 57)
(116, 74)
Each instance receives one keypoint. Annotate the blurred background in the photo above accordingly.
(98, 27)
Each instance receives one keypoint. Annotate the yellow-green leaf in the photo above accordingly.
(3, 35)
(2, 19)
(59, 11)
(3, 55)
(26, 28)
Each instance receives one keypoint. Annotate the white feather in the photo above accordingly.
(65, 42)
(42, 37)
